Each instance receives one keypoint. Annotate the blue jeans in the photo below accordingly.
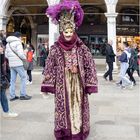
(123, 68)
(3, 100)
(14, 71)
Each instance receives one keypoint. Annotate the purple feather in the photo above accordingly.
(55, 10)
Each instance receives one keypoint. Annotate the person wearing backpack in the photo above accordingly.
(124, 65)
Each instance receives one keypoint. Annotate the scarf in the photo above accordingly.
(67, 45)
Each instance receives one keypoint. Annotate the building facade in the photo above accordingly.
(117, 20)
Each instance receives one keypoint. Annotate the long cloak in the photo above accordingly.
(55, 69)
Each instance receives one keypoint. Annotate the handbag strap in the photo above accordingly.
(15, 52)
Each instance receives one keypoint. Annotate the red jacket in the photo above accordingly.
(30, 56)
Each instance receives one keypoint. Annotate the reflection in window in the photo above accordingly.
(129, 16)
(127, 19)
(97, 45)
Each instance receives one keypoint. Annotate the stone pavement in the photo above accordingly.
(114, 113)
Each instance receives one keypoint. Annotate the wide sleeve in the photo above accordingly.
(91, 82)
(48, 84)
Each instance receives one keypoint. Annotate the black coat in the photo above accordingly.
(133, 61)
(110, 55)
(2, 72)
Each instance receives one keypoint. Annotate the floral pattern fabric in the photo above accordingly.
(58, 84)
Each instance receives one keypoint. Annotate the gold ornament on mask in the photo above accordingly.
(66, 20)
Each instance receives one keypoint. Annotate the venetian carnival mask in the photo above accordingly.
(68, 14)
(68, 34)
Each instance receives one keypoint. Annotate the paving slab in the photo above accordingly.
(114, 113)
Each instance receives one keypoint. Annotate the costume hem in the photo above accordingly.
(65, 135)
(91, 89)
(47, 89)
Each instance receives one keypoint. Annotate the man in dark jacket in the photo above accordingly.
(110, 58)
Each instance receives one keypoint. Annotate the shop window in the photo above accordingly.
(129, 16)
(42, 41)
(129, 19)
(92, 15)
(97, 44)
(84, 39)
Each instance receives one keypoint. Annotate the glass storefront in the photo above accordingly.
(42, 40)
(96, 43)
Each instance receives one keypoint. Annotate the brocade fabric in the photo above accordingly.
(71, 91)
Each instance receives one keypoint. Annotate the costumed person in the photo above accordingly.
(70, 74)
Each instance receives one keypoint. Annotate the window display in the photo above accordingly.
(97, 44)
(42, 41)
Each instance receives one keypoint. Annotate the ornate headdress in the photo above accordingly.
(68, 14)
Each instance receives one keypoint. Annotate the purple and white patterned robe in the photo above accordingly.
(55, 68)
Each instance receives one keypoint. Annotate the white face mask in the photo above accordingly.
(68, 33)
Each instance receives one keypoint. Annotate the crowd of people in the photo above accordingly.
(128, 58)
(3, 97)
(12, 54)
(129, 62)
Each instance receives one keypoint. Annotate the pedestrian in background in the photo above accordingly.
(110, 58)
(44, 53)
(124, 65)
(3, 98)
(29, 56)
(133, 63)
(138, 71)
(3, 40)
(14, 52)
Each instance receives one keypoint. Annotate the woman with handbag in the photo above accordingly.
(3, 97)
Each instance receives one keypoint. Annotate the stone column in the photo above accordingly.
(53, 29)
(4, 4)
(111, 32)
(111, 24)
(53, 32)
(111, 28)
(3, 22)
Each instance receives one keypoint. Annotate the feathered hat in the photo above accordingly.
(68, 14)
